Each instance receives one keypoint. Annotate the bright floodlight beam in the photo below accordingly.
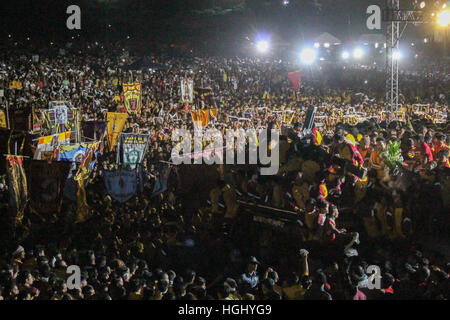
(444, 18)
(308, 56)
(358, 53)
(396, 55)
(345, 55)
(262, 46)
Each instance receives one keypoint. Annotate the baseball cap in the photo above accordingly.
(253, 260)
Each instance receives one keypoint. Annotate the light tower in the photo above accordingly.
(396, 22)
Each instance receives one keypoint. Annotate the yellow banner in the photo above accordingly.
(115, 124)
(15, 85)
(3, 123)
(48, 139)
(132, 97)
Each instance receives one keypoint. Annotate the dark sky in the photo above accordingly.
(185, 20)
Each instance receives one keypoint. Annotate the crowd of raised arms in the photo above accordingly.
(194, 241)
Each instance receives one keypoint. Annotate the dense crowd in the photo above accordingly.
(195, 241)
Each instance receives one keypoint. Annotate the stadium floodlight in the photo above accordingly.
(262, 46)
(308, 56)
(358, 53)
(345, 55)
(396, 55)
(443, 18)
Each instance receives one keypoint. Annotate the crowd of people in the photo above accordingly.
(195, 241)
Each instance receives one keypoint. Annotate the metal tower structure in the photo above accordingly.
(396, 22)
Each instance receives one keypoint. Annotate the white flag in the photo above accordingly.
(187, 90)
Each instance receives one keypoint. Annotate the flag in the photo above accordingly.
(295, 79)
(19, 119)
(81, 175)
(121, 185)
(76, 152)
(161, 179)
(132, 148)
(17, 186)
(60, 118)
(47, 180)
(132, 97)
(200, 118)
(187, 90)
(15, 85)
(204, 96)
(93, 130)
(3, 122)
(48, 145)
(115, 124)
(317, 137)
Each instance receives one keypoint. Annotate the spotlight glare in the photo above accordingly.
(308, 56)
(262, 46)
(345, 55)
(422, 5)
(326, 45)
(396, 55)
(316, 45)
(358, 53)
(443, 18)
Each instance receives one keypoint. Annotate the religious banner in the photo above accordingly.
(93, 130)
(19, 119)
(132, 97)
(37, 120)
(81, 176)
(204, 97)
(17, 186)
(132, 148)
(47, 181)
(161, 179)
(48, 146)
(200, 118)
(295, 79)
(187, 90)
(76, 152)
(3, 119)
(115, 122)
(15, 85)
(121, 185)
(60, 117)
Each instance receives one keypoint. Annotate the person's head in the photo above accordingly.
(223, 291)
(381, 143)
(163, 286)
(365, 143)
(252, 265)
(334, 212)
(387, 280)
(88, 291)
(25, 278)
(443, 156)
(189, 276)
(179, 289)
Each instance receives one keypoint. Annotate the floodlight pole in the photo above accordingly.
(394, 17)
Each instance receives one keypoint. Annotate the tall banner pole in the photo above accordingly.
(7, 114)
